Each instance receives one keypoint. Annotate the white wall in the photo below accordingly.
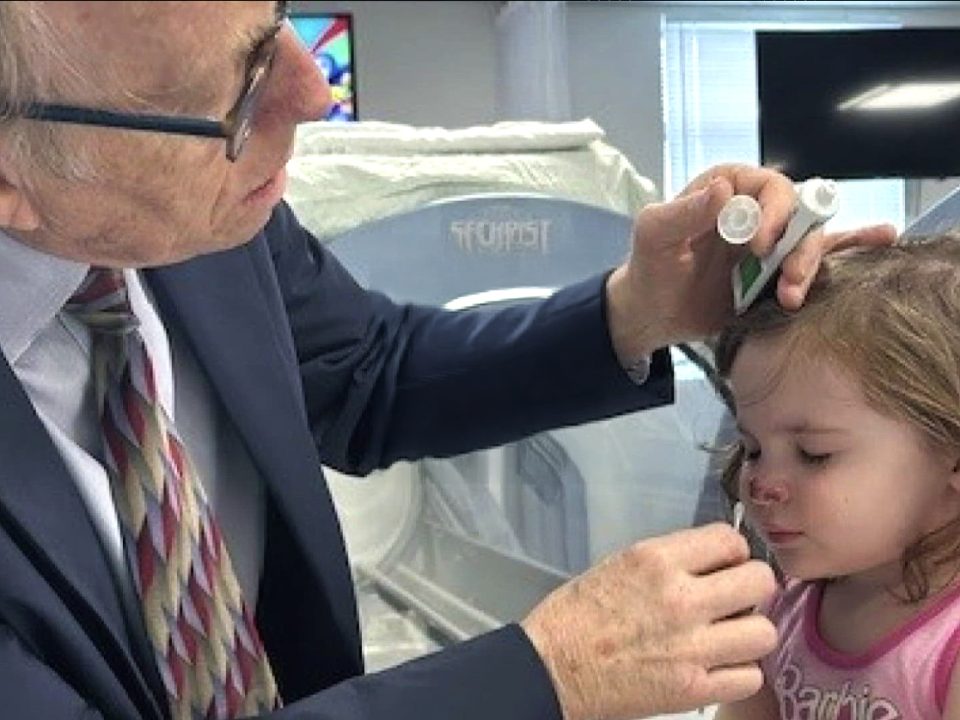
(614, 56)
(615, 63)
(435, 63)
(422, 63)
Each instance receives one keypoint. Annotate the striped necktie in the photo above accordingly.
(210, 656)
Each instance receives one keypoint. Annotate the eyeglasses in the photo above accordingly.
(235, 127)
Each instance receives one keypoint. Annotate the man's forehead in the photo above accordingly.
(165, 45)
(101, 19)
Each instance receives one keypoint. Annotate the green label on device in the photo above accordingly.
(749, 270)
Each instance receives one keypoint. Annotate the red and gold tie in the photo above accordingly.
(203, 636)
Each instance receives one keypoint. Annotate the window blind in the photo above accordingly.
(711, 113)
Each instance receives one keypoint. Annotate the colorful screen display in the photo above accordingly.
(329, 38)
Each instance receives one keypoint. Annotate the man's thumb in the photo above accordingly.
(685, 216)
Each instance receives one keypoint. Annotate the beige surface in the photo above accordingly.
(343, 175)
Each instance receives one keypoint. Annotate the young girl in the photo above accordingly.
(849, 467)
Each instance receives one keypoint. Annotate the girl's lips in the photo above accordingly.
(779, 536)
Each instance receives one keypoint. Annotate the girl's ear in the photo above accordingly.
(955, 475)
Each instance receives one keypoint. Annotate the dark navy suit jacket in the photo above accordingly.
(310, 368)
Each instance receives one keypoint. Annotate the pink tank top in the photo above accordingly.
(904, 675)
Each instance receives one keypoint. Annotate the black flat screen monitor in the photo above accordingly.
(860, 103)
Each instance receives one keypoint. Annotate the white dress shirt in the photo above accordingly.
(49, 351)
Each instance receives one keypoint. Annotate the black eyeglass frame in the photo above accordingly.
(235, 128)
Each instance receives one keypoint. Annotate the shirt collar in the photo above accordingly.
(33, 288)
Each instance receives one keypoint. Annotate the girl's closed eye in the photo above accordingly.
(813, 458)
(750, 452)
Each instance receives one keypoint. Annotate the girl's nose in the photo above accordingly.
(767, 492)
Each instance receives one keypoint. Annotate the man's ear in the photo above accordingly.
(16, 210)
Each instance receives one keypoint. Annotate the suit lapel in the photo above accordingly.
(231, 310)
(45, 516)
(237, 331)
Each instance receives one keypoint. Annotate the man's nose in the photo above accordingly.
(298, 89)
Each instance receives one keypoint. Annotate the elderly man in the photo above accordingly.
(180, 356)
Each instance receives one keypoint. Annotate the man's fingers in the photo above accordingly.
(706, 549)
(729, 684)
(777, 198)
(735, 589)
(803, 262)
(685, 216)
(739, 640)
(650, 629)
(872, 235)
(800, 267)
(773, 191)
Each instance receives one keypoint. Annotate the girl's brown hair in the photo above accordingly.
(891, 316)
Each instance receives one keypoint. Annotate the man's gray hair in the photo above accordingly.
(35, 64)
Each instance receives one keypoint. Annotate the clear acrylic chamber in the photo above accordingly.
(443, 549)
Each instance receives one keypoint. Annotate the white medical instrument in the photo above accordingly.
(817, 202)
(739, 219)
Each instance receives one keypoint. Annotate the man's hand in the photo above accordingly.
(657, 628)
(676, 285)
